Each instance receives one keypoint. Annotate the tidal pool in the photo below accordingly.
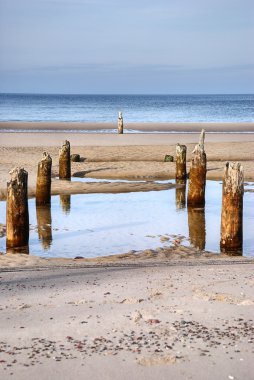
(93, 225)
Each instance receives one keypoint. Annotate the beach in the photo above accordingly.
(113, 156)
(173, 312)
(187, 320)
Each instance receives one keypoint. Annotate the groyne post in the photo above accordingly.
(197, 175)
(65, 161)
(43, 184)
(181, 162)
(232, 208)
(17, 216)
(120, 123)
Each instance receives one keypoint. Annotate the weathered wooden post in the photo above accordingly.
(65, 201)
(120, 123)
(232, 208)
(44, 222)
(43, 185)
(197, 228)
(17, 216)
(65, 161)
(180, 194)
(181, 161)
(197, 175)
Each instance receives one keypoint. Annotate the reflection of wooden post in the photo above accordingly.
(232, 208)
(180, 161)
(43, 185)
(180, 194)
(197, 175)
(65, 201)
(65, 161)
(197, 229)
(17, 217)
(44, 221)
(120, 123)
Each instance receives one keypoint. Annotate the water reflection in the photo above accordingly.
(181, 194)
(197, 227)
(44, 221)
(65, 201)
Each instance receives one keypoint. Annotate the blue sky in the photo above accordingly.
(127, 46)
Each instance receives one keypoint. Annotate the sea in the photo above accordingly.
(135, 108)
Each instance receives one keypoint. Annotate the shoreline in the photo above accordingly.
(145, 127)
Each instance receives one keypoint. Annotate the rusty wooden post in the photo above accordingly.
(65, 161)
(232, 208)
(65, 201)
(180, 194)
(120, 123)
(43, 185)
(44, 222)
(197, 229)
(17, 216)
(181, 161)
(197, 175)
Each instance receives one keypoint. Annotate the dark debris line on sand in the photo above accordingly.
(156, 341)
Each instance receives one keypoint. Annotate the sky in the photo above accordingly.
(127, 46)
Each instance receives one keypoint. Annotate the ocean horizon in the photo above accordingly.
(152, 108)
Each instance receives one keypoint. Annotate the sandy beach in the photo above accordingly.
(112, 156)
(175, 312)
(183, 320)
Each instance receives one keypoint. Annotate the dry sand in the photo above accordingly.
(167, 313)
(164, 321)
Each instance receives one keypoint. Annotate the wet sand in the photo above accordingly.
(112, 156)
(142, 127)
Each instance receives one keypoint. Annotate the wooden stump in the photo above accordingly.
(65, 161)
(232, 208)
(181, 162)
(197, 175)
(65, 201)
(197, 229)
(180, 194)
(17, 216)
(44, 222)
(43, 185)
(120, 123)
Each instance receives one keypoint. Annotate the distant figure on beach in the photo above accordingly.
(120, 123)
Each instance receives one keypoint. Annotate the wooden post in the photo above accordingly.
(43, 185)
(17, 216)
(44, 222)
(180, 194)
(197, 229)
(232, 208)
(120, 123)
(65, 161)
(197, 175)
(181, 162)
(65, 201)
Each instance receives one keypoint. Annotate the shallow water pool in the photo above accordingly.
(92, 225)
